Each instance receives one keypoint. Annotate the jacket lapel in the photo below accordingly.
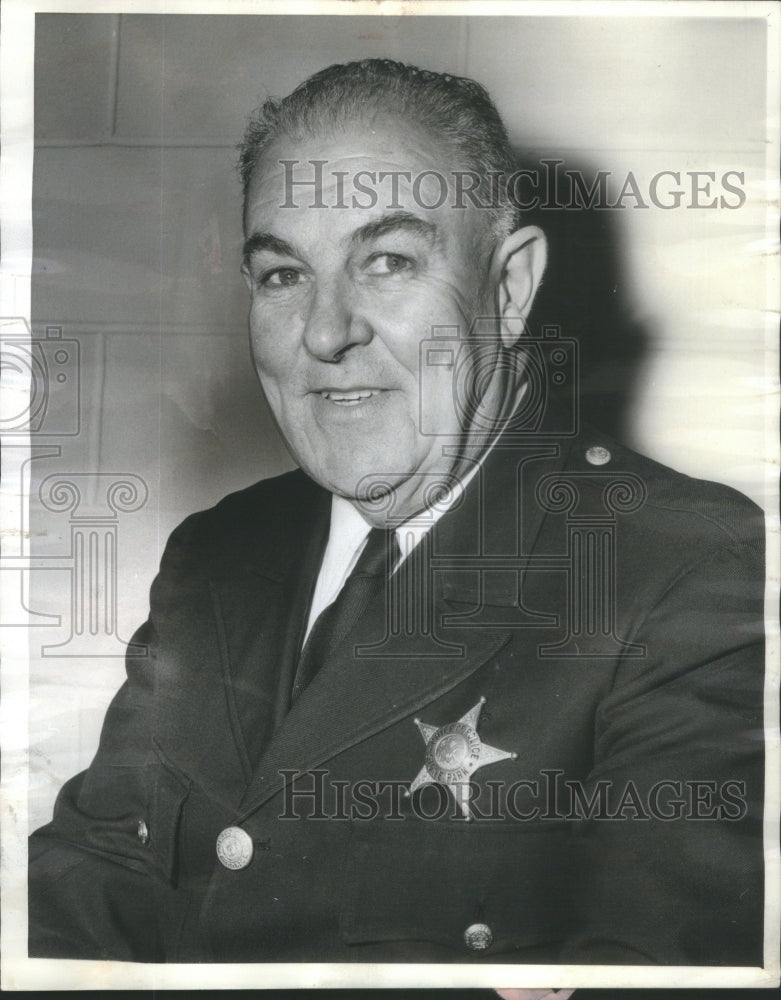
(260, 608)
(375, 679)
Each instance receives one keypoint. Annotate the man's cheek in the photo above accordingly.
(273, 345)
(437, 414)
(455, 296)
(406, 330)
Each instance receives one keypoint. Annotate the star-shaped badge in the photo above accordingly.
(453, 753)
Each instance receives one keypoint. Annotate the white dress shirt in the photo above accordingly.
(347, 539)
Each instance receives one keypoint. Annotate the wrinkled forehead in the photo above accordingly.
(364, 169)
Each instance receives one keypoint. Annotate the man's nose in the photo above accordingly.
(334, 324)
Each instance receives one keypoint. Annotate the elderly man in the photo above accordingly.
(474, 684)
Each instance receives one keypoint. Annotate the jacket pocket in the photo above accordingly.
(167, 791)
(451, 883)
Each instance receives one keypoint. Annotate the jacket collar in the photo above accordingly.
(500, 516)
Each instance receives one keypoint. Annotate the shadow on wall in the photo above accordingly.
(584, 293)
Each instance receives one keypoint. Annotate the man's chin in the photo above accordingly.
(377, 495)
(373, 493)
(385, 499)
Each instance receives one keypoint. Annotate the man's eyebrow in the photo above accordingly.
(395, 222)
(267, 241)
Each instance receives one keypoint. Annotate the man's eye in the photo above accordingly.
(388, 263)
(283, 277)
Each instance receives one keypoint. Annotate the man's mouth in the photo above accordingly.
(348, 397)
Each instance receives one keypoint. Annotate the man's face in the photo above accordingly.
(342, 297)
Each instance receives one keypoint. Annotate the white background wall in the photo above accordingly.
(137, 244)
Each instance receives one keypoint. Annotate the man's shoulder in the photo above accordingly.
(275, 497)
(630, 481)
(263, 517)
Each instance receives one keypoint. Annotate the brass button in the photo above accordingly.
(598, 455)
(143, 832)
(234, 848)
(478, 937)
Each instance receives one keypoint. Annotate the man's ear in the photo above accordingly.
(516, 271)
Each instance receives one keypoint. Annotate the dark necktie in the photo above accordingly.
(366, 580)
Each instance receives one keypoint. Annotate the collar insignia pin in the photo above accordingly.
(453, 753)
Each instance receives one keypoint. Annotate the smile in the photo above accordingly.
(349, 397)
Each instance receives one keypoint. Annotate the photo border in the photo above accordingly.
(19, 972)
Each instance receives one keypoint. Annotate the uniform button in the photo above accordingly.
(598, 455)
(478, 937)
(234, 848)
(143, 832)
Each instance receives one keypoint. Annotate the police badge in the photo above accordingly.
(453, 753)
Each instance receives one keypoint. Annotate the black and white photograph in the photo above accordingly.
(390, 496)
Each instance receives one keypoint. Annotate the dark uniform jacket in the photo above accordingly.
(609, 613)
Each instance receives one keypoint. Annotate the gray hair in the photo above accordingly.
(456, 109)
